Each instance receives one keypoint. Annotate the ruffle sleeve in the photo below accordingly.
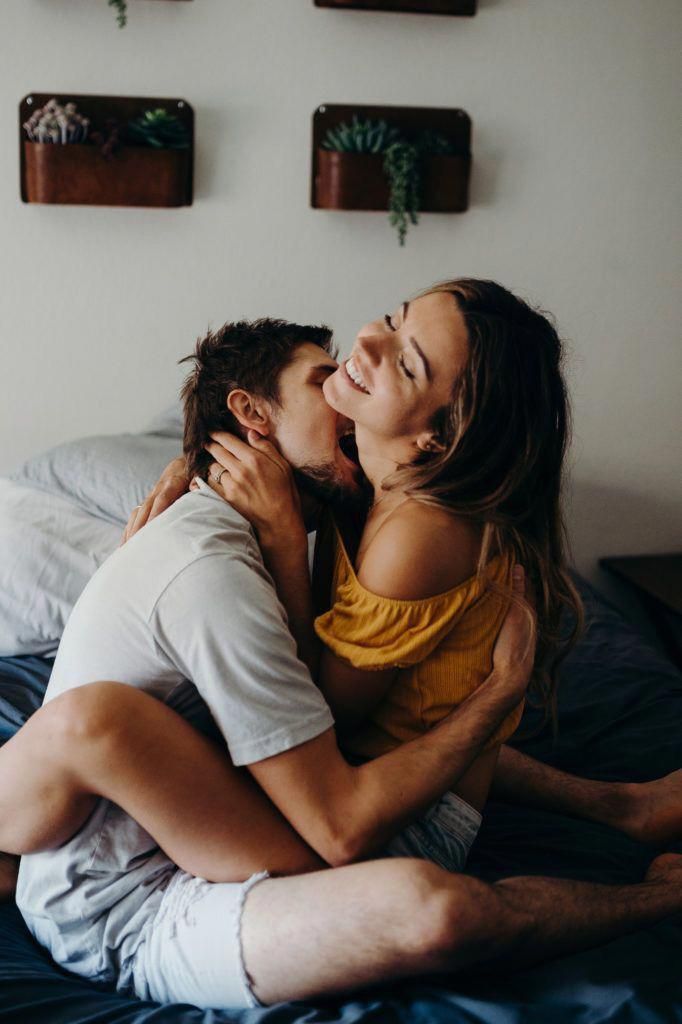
(373, 632)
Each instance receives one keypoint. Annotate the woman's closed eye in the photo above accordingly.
(404, 368)
(401, 359)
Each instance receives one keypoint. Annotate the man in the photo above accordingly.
(189, 600)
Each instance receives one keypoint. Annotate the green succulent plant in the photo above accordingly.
(402, 162)
(121, 8)
(359, 136)
(159, 129)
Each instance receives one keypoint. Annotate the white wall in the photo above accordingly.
(576, 204)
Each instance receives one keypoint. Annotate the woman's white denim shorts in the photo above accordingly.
(192, 949)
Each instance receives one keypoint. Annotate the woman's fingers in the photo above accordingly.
(138, 517)
(231, 443)
(223, 456)
(170, 486)
(262, 444)
(246, 453)
(222, 482)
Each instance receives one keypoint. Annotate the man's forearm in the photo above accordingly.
(392, 790)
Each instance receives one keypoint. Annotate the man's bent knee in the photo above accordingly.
(449, 918)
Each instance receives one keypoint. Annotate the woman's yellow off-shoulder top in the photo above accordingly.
(442, 646)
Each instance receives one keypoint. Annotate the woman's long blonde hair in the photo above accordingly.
(506, 431)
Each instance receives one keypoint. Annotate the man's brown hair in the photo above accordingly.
(247, 354)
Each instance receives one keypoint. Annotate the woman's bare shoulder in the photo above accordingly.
(420, 551)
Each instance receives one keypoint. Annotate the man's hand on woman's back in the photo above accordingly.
(170, 486)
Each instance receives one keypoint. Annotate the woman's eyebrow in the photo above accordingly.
(404, 308)
(427, 369)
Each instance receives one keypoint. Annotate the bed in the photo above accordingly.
(620, 711)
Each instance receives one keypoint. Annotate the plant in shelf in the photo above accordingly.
(128, 154)
(159, 129)
(402, 164)
(368, 136)
(57, 124)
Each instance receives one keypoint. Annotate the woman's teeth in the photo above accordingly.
(355, 376)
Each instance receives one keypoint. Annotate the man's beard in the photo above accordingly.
(325, 484)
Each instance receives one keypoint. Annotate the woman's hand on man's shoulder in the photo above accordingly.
(170, 486)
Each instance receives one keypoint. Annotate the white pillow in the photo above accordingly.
(49, 549)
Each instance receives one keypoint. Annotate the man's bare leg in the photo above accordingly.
(350, 927)
(649, 812)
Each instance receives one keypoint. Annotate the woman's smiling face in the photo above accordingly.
(401, 371)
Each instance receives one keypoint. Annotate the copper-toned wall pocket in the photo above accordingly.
(456, 7)
(357, 181)
(106, 150)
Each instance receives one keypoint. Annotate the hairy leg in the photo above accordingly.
(111, 740)
(349, 927)
(650, 812)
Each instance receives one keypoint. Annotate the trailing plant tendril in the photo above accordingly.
(121, 8)
(402, 165)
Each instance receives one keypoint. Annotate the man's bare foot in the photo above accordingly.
(655, 810)
(9, 866)
(667, 870)
(667, 867)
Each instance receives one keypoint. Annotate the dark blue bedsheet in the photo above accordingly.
(620, 716)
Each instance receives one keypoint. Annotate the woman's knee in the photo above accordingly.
(88, 713)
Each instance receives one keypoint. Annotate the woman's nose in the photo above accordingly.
(373, 341)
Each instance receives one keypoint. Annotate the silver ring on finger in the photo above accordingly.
(217, 476)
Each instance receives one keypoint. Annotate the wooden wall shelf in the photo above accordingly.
(453, 7)
(133, 175)
(356, 181)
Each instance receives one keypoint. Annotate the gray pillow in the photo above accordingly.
(106, 476)
(49, 549)
(170, 422)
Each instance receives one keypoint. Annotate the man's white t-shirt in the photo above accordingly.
(185, 609)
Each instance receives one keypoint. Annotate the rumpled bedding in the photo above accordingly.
(620, 716)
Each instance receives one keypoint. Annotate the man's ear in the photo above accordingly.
(252, 413)
(430, 442)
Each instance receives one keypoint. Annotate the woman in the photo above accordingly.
(460, 419)
(461, 428)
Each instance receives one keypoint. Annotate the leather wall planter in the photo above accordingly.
(466, 7)
(78, 173)
(356, 181)
(133, 176)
